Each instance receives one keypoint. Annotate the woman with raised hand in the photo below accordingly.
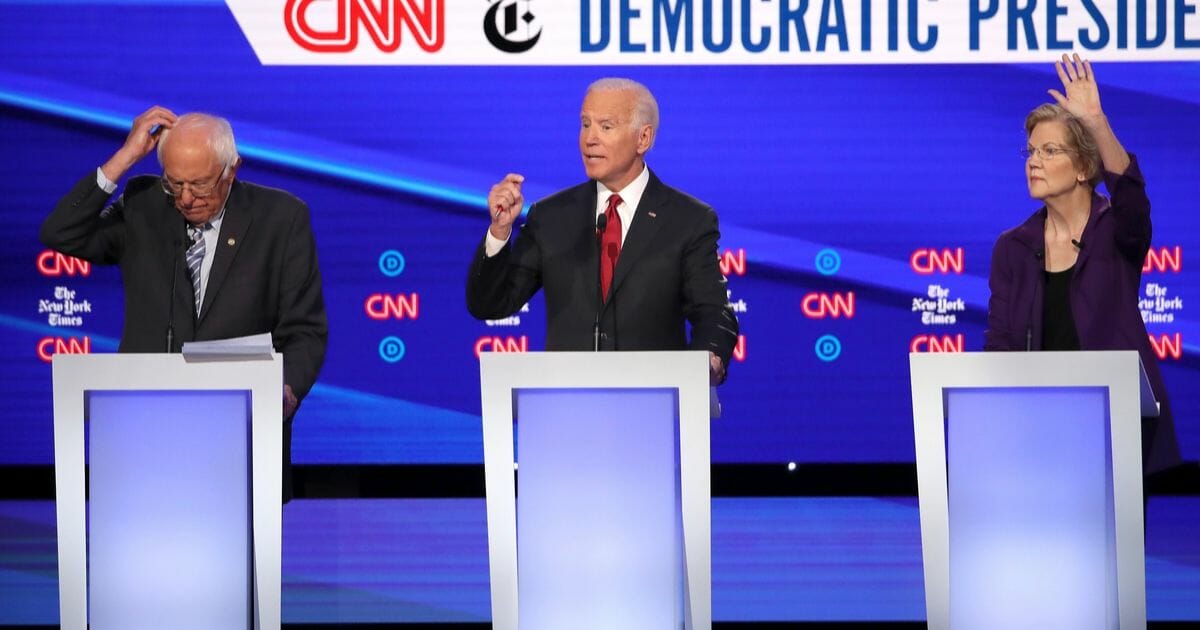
(1069, 276)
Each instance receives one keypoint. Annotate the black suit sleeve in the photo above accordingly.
(498, 286)
(82, 227)
(705, 300)
(302, 329)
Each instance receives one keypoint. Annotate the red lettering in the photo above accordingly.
(1167, 346)
(821, 305)
(52, 263)
(501, 344)
(932, 343)
(47, 347)
(383, 22)
(739, 350)
(927, 261)
(380, 306)
(1163, 259)
(730, 261)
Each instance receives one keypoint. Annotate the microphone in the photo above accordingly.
(176, 254)
(601, 224)
(1077, 243)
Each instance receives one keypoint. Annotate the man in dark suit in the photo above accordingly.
(249, 248)
(625, 260)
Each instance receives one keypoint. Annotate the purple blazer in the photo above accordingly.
(1104, 293)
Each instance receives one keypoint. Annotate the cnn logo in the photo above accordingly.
(1164, 259)
(53, 264)
(335, 27)
(926, 261)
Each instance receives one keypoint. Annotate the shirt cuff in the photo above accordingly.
(103, 182)
(493, 245)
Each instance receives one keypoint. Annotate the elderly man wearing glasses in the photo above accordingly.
(203, 255)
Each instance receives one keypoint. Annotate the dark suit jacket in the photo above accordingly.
(667, 275)
(264, 275)
(1104, 293)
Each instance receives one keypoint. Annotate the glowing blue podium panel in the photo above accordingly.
(182, 525)
(599, 537)
(168, 510)
(1029, 475)
(612, 525)
(1031, 526)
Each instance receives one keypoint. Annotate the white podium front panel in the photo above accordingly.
(168, 510)
(1030, 480)
(107, 378)
(503, 379)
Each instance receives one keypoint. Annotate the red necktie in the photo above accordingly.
(610, 245)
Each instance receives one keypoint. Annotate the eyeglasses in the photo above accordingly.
(198, 190)
(1047, 152)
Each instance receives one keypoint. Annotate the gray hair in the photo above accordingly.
(1085, 155)
(645, 108)
(220, 136)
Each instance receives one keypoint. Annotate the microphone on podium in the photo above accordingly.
(601, 224)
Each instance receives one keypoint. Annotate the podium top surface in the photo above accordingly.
(1034, 369)
(596, 369)
(165, 371)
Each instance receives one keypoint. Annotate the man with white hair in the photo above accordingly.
(626, 262)
(203, 255)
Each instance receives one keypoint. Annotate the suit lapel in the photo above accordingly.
(234, 227)
(643, 228)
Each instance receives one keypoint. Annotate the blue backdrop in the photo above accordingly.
(827, 180)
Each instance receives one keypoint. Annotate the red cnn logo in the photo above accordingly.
(732, 261)
(927, 261)
(52, 263)
(932, 343)
(338, 28)
(739, 350)
(822, 305)
(380, 306)
(1163, 259)
(501, 344)
(50, 346)
(1167, 346)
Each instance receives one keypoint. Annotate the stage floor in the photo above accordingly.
(425, 560)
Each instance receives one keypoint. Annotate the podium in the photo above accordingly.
(606, 523)
(1030, 480)
(179, 525)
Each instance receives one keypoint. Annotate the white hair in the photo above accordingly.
(645, 108)
(220, 136)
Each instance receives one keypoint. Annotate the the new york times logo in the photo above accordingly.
(508, 25)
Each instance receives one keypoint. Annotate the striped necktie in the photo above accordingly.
(194, 258)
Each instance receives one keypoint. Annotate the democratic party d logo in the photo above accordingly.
(508, 25)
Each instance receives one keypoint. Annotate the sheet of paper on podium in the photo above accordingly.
(232, 349)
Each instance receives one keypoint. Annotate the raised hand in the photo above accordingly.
(1082, 96)
(140, 141)
(505, 202)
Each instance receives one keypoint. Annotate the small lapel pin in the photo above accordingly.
(653, 214)
(231, 241)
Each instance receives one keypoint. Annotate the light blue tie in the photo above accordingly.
(195, 257)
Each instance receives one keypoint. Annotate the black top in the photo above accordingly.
(1058, 325)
